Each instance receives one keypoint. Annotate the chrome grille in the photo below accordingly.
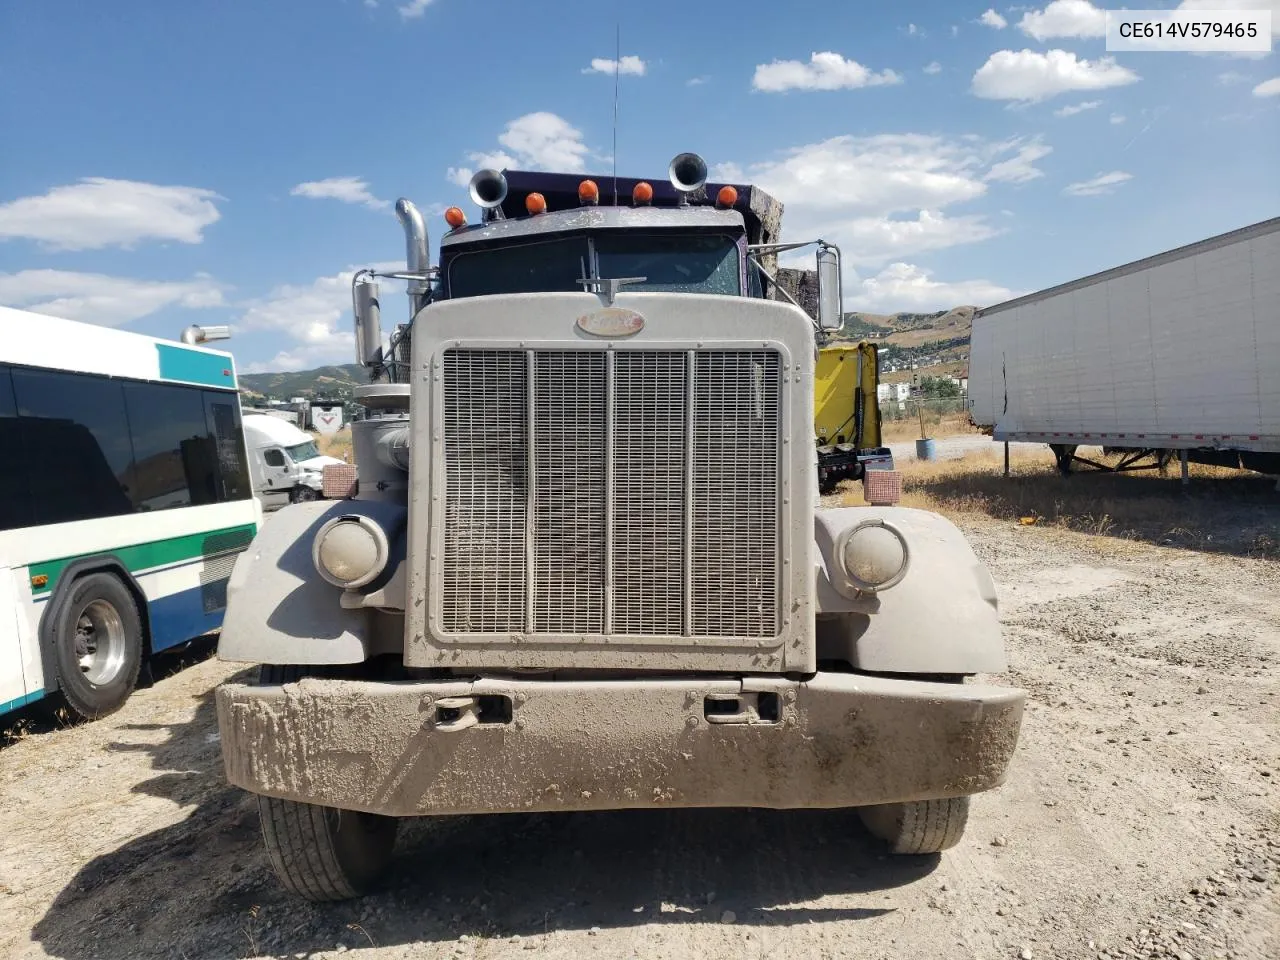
(617, 493)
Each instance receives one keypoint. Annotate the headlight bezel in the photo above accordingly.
(852, 582)
(382, 550)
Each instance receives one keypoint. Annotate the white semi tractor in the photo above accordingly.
(285, 465)
(1177, 353)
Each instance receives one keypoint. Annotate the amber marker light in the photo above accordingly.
(588, 193)
(642, 195)
(727, 196)
(535, 203)
(455, 218)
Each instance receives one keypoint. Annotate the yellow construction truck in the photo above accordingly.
(846, 407)
(846, 414)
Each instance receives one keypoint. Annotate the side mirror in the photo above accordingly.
(830, 295)
(368, 315)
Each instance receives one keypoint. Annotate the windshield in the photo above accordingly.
(303, 451)
(672, 262)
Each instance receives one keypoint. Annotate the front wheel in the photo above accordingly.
(921, 826)
(303, 495)
(321, 853)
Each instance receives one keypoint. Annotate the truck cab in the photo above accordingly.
(285, 466)
(587, 567)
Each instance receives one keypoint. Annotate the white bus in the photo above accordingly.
(124, 502)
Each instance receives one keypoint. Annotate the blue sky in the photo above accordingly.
(175, 163)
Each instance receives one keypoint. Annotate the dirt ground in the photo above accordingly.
(1140, 818)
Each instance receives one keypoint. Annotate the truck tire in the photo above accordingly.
(322, 853)
(302, 495)
(921, 826)
(97, 646)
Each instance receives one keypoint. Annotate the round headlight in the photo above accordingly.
(874, 555)
(350, 551)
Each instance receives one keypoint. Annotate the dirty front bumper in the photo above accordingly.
(490, 746)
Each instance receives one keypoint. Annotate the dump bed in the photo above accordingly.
(1179, 350)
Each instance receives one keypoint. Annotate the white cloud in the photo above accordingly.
(97, 212)
(1072, 109)
(993, 20)
(876, 175)
(1117, 118)
(695, 81)
(1103, 183)
(871, 241)
(1020, 168)
(824, 71)
(536, 141)
(906, 287)
(885, 197)
(1029, 76)
(1065, 18)
(346, 189)
(934, 67)
(913, 30)
(627, 66)
(726, 173)
(1268, 88)
(1272, 5)
(1231, 77)
(414, 9)
(315, 315)
(105, 300)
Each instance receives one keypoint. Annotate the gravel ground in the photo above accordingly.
(1140, 818)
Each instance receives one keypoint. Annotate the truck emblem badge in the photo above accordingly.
(611, 322)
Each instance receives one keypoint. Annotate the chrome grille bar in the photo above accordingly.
(612, 492)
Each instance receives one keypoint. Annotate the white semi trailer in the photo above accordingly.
(1177, 353)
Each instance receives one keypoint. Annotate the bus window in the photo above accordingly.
(175, 461)
(76, 438)
(15, 489)
(222, 413)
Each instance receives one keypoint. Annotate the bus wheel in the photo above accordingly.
(97, 646)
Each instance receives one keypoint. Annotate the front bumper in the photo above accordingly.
(838, 740)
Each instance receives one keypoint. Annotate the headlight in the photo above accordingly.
(350, 551)
(874, 555)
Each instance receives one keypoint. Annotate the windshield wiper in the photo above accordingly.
(609, 287)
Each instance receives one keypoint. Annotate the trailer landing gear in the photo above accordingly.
(1131, 459)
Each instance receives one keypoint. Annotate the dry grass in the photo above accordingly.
(336, 444)
(1222, 510)
(947, 425)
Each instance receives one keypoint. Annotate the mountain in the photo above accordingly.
(915, 344)
(334, 382)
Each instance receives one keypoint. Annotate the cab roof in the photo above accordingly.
(761, 213)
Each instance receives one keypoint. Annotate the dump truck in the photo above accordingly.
(586, 566)
(1176, 354)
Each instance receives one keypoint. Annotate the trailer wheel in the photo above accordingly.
(322, 853)
(97, 646)
(921, 826)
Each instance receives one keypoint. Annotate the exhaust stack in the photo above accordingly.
(417, 258)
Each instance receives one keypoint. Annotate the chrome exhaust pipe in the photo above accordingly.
(417, 259)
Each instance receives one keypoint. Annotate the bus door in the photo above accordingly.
(13, 683)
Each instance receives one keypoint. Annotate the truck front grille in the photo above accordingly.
(611, 493)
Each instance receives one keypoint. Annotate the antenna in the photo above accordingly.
(617, 70)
